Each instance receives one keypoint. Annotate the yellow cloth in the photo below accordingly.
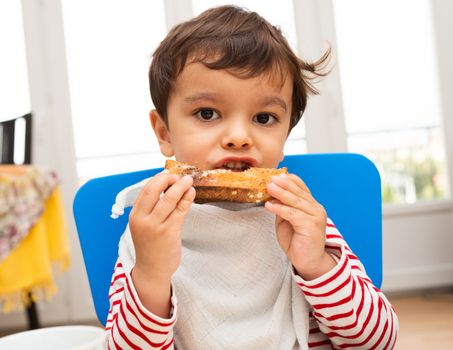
(27, 270)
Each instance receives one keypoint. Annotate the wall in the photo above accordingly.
(417, 248)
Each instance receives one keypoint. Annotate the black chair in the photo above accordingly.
(7, 153)
(7, 139)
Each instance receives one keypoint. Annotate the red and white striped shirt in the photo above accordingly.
(347, 310)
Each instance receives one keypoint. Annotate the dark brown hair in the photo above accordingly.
(230, 37)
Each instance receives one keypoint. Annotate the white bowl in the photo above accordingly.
(57, 338)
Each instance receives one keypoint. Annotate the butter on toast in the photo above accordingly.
(248, 186)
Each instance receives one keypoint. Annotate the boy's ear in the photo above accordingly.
(162, 133)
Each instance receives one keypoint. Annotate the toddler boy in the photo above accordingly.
(227, 90)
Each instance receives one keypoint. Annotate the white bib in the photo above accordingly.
(234, 286)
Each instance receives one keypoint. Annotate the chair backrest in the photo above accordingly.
(8, 139)
(347, 185)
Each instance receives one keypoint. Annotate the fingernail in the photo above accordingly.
(276, 179)
(186, 178)
(273, 185)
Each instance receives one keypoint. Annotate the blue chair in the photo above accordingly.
(347, 185)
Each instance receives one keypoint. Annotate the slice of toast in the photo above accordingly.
(220, 185)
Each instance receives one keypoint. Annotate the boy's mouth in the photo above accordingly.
(236, 166)
(236, 163)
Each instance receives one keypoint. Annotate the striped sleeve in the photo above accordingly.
(348, 311)
(129, 324)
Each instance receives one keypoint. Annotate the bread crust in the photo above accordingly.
(220, 185)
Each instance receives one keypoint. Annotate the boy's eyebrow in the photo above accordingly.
(203, 96)
(274, 100)
(209, 96)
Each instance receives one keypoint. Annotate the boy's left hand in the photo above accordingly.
(300, 225)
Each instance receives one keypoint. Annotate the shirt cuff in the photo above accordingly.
(143, 313)
(334, 284)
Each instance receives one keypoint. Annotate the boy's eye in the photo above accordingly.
(265, 119)
(207, 114)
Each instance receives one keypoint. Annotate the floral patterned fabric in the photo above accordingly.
(22, 199)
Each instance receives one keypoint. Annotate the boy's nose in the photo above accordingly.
(237, 137)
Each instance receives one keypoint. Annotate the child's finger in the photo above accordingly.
(183, 206)
(288, 183)
(150, 194)
(296, 201)
(297, 180)
(169, 201)
(296, 185)
(286, 212)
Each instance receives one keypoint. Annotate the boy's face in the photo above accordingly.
(218, 120)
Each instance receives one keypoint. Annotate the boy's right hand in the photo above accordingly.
(155, 223)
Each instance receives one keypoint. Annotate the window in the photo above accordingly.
(15, 98)
(109, 46)
(392, 107)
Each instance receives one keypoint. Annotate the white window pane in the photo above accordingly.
(388, 64)
(14, 90)
(390, 85)
(109, 47)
